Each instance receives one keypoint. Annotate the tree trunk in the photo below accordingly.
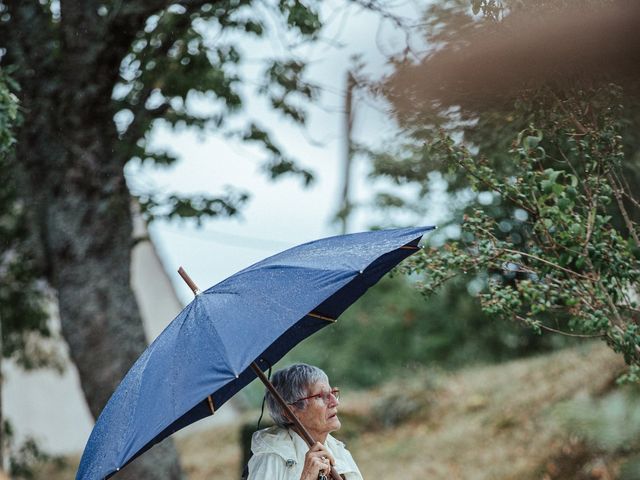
(86, 229)
(75, 191)
(100, 317)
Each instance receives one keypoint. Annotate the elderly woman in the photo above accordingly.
(279, 452)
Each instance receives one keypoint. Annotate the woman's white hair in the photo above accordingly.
(292, 383)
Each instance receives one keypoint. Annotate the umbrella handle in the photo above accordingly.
(299, 427)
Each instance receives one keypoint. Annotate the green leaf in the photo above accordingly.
(565, 204)
(573, 180)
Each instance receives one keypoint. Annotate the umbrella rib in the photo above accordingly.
(196, 292)
(321, 317)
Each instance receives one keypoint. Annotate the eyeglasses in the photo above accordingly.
(325, 396)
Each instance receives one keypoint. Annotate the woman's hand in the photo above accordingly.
(316, 461)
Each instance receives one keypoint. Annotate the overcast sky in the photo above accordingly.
(283, 213)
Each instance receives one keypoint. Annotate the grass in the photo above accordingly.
(479, 423)
(491, 422)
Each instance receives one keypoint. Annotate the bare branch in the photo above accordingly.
(616, 193)
(626, 190)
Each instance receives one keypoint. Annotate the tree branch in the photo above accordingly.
(581, 128)
(560, 332)
(551, 264)
(626, 190)
(616, 193)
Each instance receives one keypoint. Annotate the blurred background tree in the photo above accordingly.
(534, 130)
(94, 78)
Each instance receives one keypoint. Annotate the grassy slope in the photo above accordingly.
(479, 423)
(489, 423)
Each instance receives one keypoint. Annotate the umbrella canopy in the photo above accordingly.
(203, 357)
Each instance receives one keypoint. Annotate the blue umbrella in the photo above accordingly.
(205, 354)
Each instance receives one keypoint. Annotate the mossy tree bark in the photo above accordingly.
(74, 187)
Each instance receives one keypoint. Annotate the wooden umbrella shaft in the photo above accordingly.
(187, 279)
(299, 427)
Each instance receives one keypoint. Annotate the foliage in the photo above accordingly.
(187, 69)
(548, 233)
(392, 331)
(22, 296)
(559, 253)
(185, 66)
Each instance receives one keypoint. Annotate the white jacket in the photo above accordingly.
(278, 454)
